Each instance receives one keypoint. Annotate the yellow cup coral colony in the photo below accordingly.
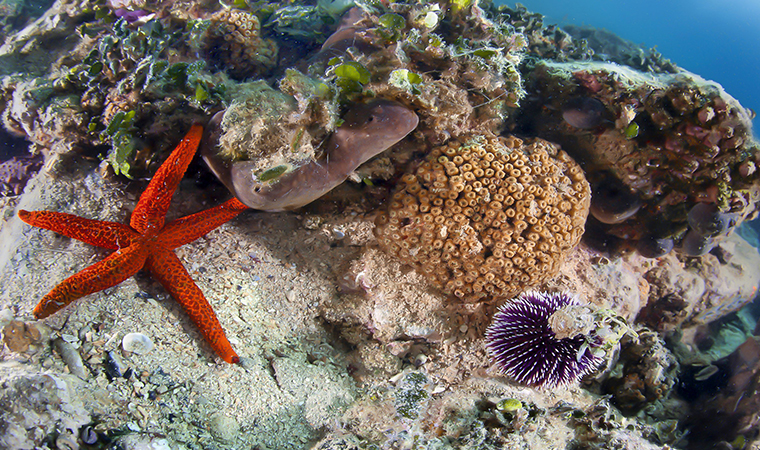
(487, 216)
(232, 40)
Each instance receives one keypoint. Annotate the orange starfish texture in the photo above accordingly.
(145, 243)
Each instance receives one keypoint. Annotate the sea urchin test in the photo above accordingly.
(367, 130)
(524, 344)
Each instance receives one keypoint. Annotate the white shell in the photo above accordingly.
(137, 343)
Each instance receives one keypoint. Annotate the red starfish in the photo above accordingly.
(145, 243)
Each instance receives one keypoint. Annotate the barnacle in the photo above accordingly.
(583, 112)
(487, 217)
(612, 202)
(650, 246)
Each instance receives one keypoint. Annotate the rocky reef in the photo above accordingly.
(413, 166)
(406, 54)
(670, 157)
(366, 130)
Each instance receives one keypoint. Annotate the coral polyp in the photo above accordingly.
(524, 345)
(232, 41)
(487, 218)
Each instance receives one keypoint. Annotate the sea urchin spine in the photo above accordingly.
(522, 343)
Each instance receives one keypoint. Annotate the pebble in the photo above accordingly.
(144, 441)
(137, 343)
(6, 315)
(71, 358)
(160, 378)
(395, 378)
(338, 233)
(111, 340)
(248, 364)
(66, 441)
(223, 427)
(115, 367)
(70, 338)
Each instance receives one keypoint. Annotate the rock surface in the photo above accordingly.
(341, 345)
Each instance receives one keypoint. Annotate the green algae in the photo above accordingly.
(405, 79)
(120, 131)
(352, 71)
(411, 395)
(273, 173)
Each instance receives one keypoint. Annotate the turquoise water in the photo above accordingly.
(715, 39)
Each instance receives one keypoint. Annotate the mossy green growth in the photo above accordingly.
(335, 8)
(435, 41)
(201, 93)
(485, 53)
(352, 71)
(411, 394)
(160, 79)
(239, 4)
(459, 5)
(119, 131)
(178, 73)
(349, 76)
(405, 79)
(300, 22)
(299, 86)
(273, 173)
(632, 131)
(739, 443)
(84, 74)
(102, 13)
(392, 26)
(509, 405)
(724, 195)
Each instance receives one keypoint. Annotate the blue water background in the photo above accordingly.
(716, 39)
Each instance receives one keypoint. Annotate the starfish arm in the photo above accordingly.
(154, 202)
(189, 228)
(164, 265)
(110, 235)
(114, 269)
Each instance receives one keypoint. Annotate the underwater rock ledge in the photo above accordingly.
(351, 333)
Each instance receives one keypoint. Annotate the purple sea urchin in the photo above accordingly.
(525, 347)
